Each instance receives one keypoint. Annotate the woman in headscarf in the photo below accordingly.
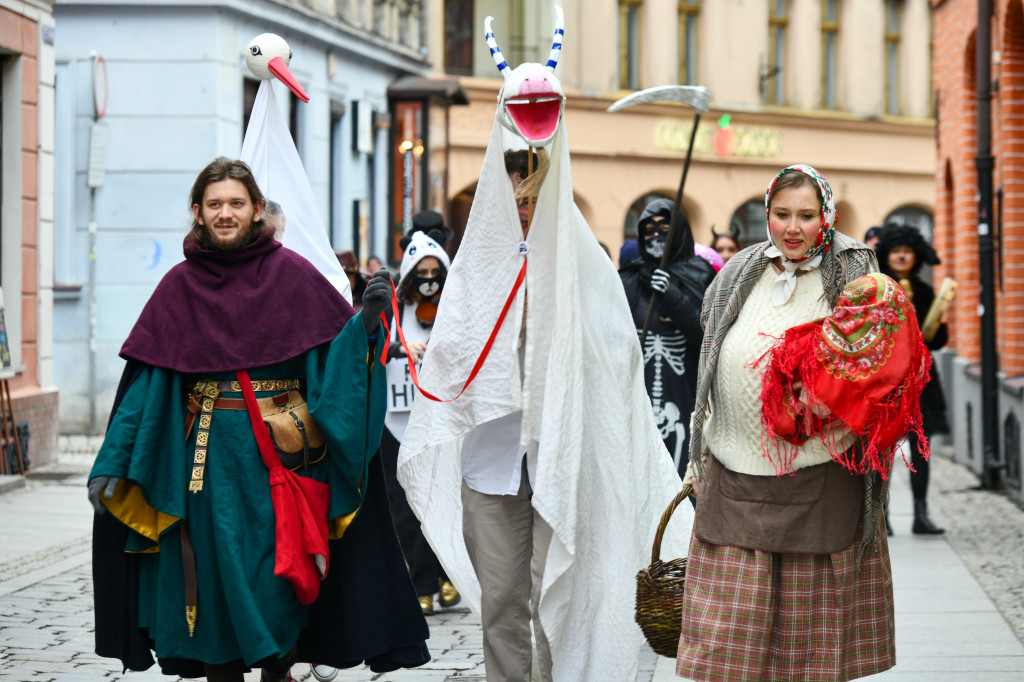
(788, 576)
(902, 252)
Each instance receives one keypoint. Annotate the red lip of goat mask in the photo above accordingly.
(531, 99)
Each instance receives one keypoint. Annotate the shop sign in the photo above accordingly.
(723, 141)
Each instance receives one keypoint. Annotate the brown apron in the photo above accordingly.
(814, 511)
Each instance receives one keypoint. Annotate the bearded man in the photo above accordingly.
(216, 564)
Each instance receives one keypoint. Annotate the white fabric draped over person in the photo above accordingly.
(601, 474)
(268, 149)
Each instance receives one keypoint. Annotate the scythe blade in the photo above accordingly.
(696, 96)
(699, 98)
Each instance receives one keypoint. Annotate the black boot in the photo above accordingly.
(922, 524)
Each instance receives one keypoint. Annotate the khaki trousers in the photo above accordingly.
(508, 544)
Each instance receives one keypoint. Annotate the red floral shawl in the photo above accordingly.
(862, 370)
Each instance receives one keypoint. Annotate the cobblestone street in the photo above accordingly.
(959, 597)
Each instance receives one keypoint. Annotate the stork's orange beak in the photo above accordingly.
(284, 74)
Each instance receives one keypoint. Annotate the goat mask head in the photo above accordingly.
(531, 99)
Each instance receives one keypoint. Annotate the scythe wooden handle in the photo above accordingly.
(675, 225)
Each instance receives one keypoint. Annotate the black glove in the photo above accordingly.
(105, 485)
(376, 299)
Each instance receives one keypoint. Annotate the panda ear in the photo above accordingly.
(404, 242)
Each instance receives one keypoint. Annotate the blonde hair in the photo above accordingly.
(517, 161)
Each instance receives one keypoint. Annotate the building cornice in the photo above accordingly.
(326, 29)
(486, 89)
(29, 8)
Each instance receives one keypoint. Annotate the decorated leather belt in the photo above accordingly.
(205, 398)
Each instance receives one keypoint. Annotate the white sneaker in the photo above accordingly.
(323, 673)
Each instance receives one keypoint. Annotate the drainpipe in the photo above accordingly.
(983, 163)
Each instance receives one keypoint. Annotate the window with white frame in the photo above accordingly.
(893, 9)
(778, 27)
(689, 13)
(630, 12)
(829, 52)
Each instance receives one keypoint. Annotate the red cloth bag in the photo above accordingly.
(300, 511)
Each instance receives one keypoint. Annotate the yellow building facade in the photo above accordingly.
(843, 86)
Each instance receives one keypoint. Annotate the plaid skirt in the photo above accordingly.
(752, 615)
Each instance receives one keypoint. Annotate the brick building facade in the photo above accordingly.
(26, 215)
(956, 217)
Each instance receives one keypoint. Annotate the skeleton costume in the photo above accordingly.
(672, 345)
(565, 373)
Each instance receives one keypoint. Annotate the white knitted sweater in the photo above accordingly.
(733, 429)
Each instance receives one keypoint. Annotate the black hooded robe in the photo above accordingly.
(672, 347)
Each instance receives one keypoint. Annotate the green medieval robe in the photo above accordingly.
(243, 610)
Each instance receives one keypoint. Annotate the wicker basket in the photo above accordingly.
(659, 591)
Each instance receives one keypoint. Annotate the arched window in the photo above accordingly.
(749, 223)
(915, 217)
(630, 224)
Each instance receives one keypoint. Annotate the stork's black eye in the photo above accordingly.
(255, 49)
(290, 53)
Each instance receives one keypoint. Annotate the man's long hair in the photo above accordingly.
(223, 168)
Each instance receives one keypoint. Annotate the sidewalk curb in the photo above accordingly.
(9, 483)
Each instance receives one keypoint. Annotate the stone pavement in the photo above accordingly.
(959, 597)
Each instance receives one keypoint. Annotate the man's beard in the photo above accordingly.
(243, 238)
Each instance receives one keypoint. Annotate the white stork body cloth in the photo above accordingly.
(269, 151)
(603, 476)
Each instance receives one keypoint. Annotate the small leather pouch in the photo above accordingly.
(298, 439)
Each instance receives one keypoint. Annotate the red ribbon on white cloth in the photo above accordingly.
(483, 354)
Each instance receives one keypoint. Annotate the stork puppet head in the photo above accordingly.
(268, 56)
(531, 99)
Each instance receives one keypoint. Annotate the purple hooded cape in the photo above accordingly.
(228, 310)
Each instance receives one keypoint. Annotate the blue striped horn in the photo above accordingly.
(556, 46)
(499, 59)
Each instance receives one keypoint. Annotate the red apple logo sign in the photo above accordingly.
(724, 138)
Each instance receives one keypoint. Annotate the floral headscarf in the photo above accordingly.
(862, 370)
(786, 282)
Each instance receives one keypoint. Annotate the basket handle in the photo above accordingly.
(680, 496)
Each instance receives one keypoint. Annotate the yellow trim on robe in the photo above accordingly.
(129, 506)
(339, 524)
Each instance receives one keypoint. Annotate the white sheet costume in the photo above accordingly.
(270, 152)
(602, 476)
